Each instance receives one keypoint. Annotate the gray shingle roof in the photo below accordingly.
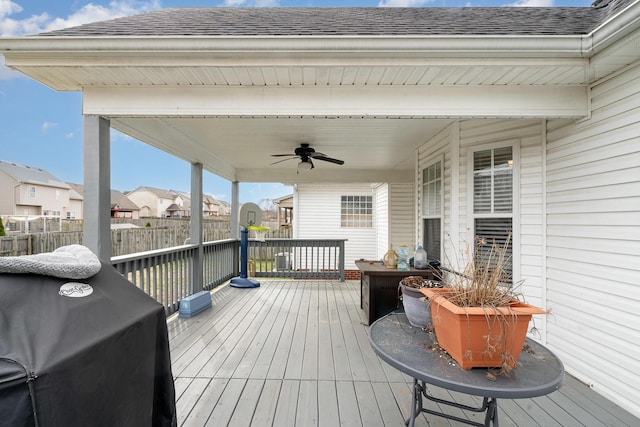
(354, 21)
(31, 175)
(122, 202)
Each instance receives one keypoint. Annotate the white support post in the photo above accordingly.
(97, 183)
(235, 211)
(196, 227)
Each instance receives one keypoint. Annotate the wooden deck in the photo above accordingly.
(296, 353)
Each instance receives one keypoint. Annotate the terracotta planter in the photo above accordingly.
(477, 336)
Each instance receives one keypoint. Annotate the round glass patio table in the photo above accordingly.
(410, 350)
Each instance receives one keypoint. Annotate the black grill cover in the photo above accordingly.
(98, 360)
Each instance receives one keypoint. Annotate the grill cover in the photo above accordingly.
(78, 355)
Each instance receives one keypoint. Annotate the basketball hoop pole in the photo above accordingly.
(244, 281)
(250, 215)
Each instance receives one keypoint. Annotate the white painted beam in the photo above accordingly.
(324, 175)
(351, 101)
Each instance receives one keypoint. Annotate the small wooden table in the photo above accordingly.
(408, 349)
(379, 287)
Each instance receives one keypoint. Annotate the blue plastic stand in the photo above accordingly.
(244, 281)
(194, 304)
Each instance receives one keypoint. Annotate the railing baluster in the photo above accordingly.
(164, 274)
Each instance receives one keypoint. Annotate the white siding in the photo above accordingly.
(528, 249)
(528, 136)
(381, 224)
(318, 217)
(402, 217)
(593, 242)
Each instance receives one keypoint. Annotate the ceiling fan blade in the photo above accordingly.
(329, 159)
(284, 160)
(283, 155)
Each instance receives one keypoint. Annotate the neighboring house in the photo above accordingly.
(76, 205)
(224, 208)
(154, 202)
(25, 190)
(214, 207)
(284, 210)
(123, 207)
(211, 207)
(474, 121)
(182, 206)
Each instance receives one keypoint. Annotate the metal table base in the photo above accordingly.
(489, 407)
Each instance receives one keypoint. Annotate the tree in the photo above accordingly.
(2, 232)
(268, 209)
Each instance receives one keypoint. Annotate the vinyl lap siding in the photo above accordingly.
(319, 218)
(381, 220)
(593, 243)
(402, 217)
(527, 134)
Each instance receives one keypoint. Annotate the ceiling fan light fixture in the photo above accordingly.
(304, 166)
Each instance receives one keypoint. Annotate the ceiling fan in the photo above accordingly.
(305, 153)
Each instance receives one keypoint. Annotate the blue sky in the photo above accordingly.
(43, 128)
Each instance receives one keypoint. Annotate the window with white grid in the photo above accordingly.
(356, 211)
(493, 200)
(432, 209)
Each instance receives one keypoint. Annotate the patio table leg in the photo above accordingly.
(416, 403)
(489, 407)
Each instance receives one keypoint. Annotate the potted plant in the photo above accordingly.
(478, 316)
(416, 305)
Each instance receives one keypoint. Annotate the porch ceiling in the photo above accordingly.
(240, 148)
(229, 102)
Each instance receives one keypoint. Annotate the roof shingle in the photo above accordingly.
(351, 21)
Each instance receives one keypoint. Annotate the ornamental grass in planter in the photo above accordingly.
(478, 317)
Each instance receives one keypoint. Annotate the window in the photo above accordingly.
(493, 204)
(432, 209)
(32, 192)
(356, 211)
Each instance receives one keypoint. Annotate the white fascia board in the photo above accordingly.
(615, 28)
(344, 101)
(129, 50)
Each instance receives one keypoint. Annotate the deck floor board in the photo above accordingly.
(297, 353)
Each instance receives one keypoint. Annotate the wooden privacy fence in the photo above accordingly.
(123, 241)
